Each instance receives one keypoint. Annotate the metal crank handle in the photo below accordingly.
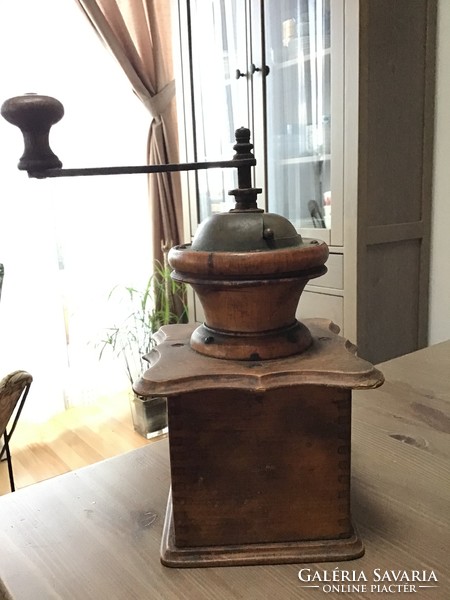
(35, 115)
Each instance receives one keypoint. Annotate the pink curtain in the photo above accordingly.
(139, 34)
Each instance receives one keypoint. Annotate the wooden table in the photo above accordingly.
(95, 533)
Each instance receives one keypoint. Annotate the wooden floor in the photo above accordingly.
(70, 440)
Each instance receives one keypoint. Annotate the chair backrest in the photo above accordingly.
(2, 272)
(13, 387)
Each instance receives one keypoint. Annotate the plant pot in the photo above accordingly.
(149, 414)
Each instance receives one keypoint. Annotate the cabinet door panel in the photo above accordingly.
(302, 114)
(298, 109)
(324, 306)
(334, 277)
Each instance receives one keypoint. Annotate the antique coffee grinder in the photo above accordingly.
(259, 404)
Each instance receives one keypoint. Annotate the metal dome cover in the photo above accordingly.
(245, 231)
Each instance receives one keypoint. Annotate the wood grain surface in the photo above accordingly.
(260, 468)
(96, 533)
(330, 360)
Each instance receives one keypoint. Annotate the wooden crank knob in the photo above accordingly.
(34, 115)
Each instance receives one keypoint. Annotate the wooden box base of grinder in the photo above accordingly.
(259, 452)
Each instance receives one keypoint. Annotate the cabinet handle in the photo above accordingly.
(266, 69)
(240, 74)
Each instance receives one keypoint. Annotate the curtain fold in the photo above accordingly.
(138, 33)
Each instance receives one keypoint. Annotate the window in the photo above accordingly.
(67, 242)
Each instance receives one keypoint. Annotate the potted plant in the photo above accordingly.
(146, 311)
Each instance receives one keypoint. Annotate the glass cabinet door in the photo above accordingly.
(299, 112)
(220, 94)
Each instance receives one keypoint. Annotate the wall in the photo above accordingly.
(440, 251)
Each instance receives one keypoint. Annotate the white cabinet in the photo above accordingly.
(277, 68)
(304, 114)
(338, 97)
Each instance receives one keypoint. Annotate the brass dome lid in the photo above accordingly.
(245, 231)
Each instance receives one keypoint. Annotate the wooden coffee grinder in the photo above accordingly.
(259, 404)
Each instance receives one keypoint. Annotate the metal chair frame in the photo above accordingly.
(5, 452)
